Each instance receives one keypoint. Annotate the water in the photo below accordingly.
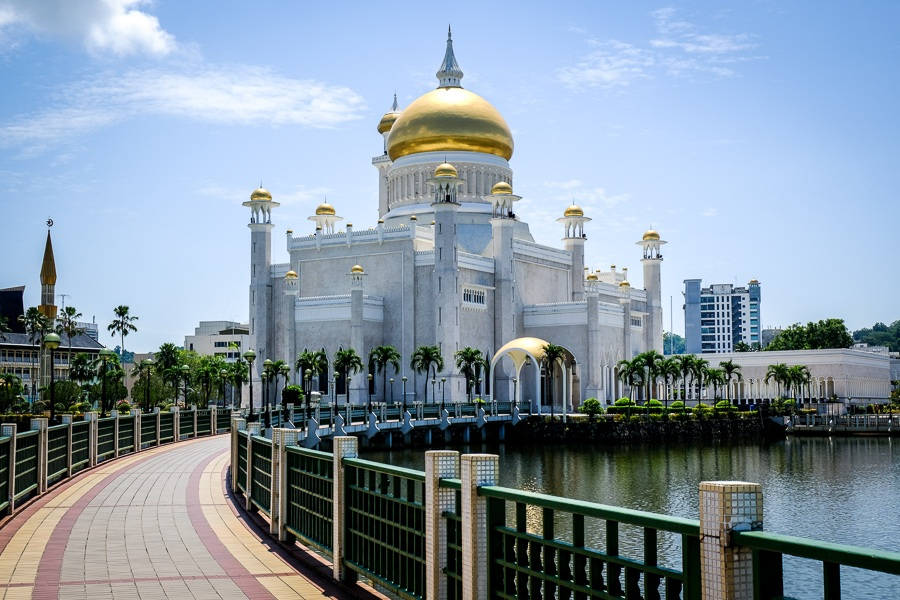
(844, 490)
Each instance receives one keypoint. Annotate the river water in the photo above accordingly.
(844, 490)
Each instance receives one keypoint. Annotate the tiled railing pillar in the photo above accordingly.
(9, 430)
(344, 447)
(39, 424)
(438, 464)
(115, 414)
(475, 470)
(158, 418)
(725, 506)
(281, 439)
(176, 423)
(67, 420)
(252, 429)
(136, 413)
(194, 410)
(213, 419)
(237, 424)
(91, 418)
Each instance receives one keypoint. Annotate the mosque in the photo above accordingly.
(450, 263)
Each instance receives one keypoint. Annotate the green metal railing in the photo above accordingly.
(126, 435)
(385, 525)
(185, 424)
(261, 473)
(769, 548)
(166, 427)
(148, 430)
(26, 480)
(310, 487)
(526, 564)
(453, 570)
(106, 438)
(204, 424)
(242, 460)
(223, 420)
(81, 450)
(57, 453)
(4, 473)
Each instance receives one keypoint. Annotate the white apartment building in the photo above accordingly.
(718, 317)
(227, 339)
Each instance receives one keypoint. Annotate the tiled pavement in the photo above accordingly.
(155, 525)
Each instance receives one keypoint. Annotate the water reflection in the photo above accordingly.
(844, 490)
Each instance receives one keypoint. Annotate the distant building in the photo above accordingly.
(718, 317)
(227, 339)
(90, 329)
(767, 335)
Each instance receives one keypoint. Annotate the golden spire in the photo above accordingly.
(48, 268)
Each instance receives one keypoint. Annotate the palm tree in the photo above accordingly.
(238, 374)
(82, 368)
(699, 368)
(626, 372)
(469, 361)
(67, 324)
(552, 354)
(381, 357)
(167, 359)
(279, 368)
(799, 376)
(716, 377)
(36, 326)
(669, 368)
(346, 362)
(122, 324)
(685, 367)
(313, 361)
(731, 369)
(780, 373)
(651, 361)
(425, 358)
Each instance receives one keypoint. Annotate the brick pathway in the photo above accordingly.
(155, 525)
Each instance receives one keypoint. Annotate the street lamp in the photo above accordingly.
(334, 398)
(369, 390)
(403, 400)
(147, 363)
(515, 392)
(224, 375)
(392, 390)
(105, 353)
(309, 375)
(267, 377)
(186, 373)
(480, 392)
(433, 397)
(443, 391)
(51, 343)
(249, 356)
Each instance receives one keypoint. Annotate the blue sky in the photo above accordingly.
(760, 138)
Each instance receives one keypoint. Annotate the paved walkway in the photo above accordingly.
(155, 525)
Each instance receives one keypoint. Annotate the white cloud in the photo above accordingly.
(680, 49)
(239, 95)
(103, 26)
(710, 212)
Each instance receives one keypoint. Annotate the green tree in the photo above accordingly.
(686, 367)
(11, 391)
(780, 374)
(716, 377)
(36, 326)
(553, 354)
(731, 370)
(669, 370)
(381, 357)
(346, 362)
(742, 346)
(630, 373)
(122, 324)
(82, 369)
(880, 335)
(651, 361)
(427, 358)
(167, 360)
(314, 361)
(469, 361)
(699, 368)
(815, 335)
(238, 375)
(798, 375)
(672, 343)
(67, 325)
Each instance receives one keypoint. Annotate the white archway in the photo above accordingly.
(530, 349)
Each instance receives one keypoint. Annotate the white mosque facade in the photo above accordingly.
(450, 263)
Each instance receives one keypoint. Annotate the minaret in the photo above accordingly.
(260, 205)
(594, 368)
(383, 162)
(449, 75)
(446, 272)
(573, 220)
(48, 303)
(325, 218)
(291, 291)
(506, 301)
(652, 258)
(358, 383)
(625, 301)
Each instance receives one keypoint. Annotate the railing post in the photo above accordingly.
(39, 424)
(726, 570)
(156, 414)
(115, 414)
(290, 408)
(9, 430)
(237, 424)
(194, 410)
(67, 420)
(438, 464)
(91, 418)
(136, 413)
(281, 439)
(476, 470)
(252, 429)
(213, 419)
(344, 447)
(176, 423)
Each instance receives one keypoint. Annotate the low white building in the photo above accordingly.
(227, 339)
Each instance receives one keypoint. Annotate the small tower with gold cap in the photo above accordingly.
(357, 277)
(573, 221)
(502, 200)
(260, 205)
(48, 280)
(291, 291)
(383, 162)
(325, 218)
(651, 246)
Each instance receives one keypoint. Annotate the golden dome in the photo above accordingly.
(593, 277)
(356, 269)
(325, 209)
(260, 193)
(414, 218)
(446, 170)
(754, 282)
(387, 121)
(501, 187)
(651, 235)
(290, 275)
(624, 284)
(450, 118)
(574, 211)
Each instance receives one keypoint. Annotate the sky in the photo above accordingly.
(760, 138)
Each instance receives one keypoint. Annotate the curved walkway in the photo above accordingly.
(155, 525)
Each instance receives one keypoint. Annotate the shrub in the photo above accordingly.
(677, 405)
(723, 405)
(478, 401)
(624, 402)
(291, 394)
(592, 407)
(123, 407)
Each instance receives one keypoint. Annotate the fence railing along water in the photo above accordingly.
(451, 532)
(33, 461)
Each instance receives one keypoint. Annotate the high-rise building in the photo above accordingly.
(719, 317)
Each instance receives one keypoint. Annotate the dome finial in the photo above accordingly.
(394, 106)
(449, 74)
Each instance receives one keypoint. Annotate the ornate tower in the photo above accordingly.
(48, 302)
(652, 258)
(260, 205)
(291, 291)
(625, 301)
(573, 220)
(382, 162)
(445, 182)
(359, 385)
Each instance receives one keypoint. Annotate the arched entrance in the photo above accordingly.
(529, 351)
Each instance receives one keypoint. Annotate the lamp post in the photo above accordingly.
(51, 343)
(249, 356)
(433, 383)
(186, 373)
(515, 392)
(369, 391)
(443, 391)
(334, 398)
(403, 399)
(267, 378)
(149, 364)
(308, 375)
(105, 353)
(224, 375)
(392, 390)
(480, 393)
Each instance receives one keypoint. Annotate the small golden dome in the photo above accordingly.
(593, 277)
(289, 231)
(574, 211)
(445, 170)
(651, 235)
(290, 275)
(356, 269)
(380, 221)
(414, 218)
(325, 209)
(450, 118)
(624, 284)
(387, 121)
(432, 222)
(501, 187)
(754, 282)
(260, 193)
